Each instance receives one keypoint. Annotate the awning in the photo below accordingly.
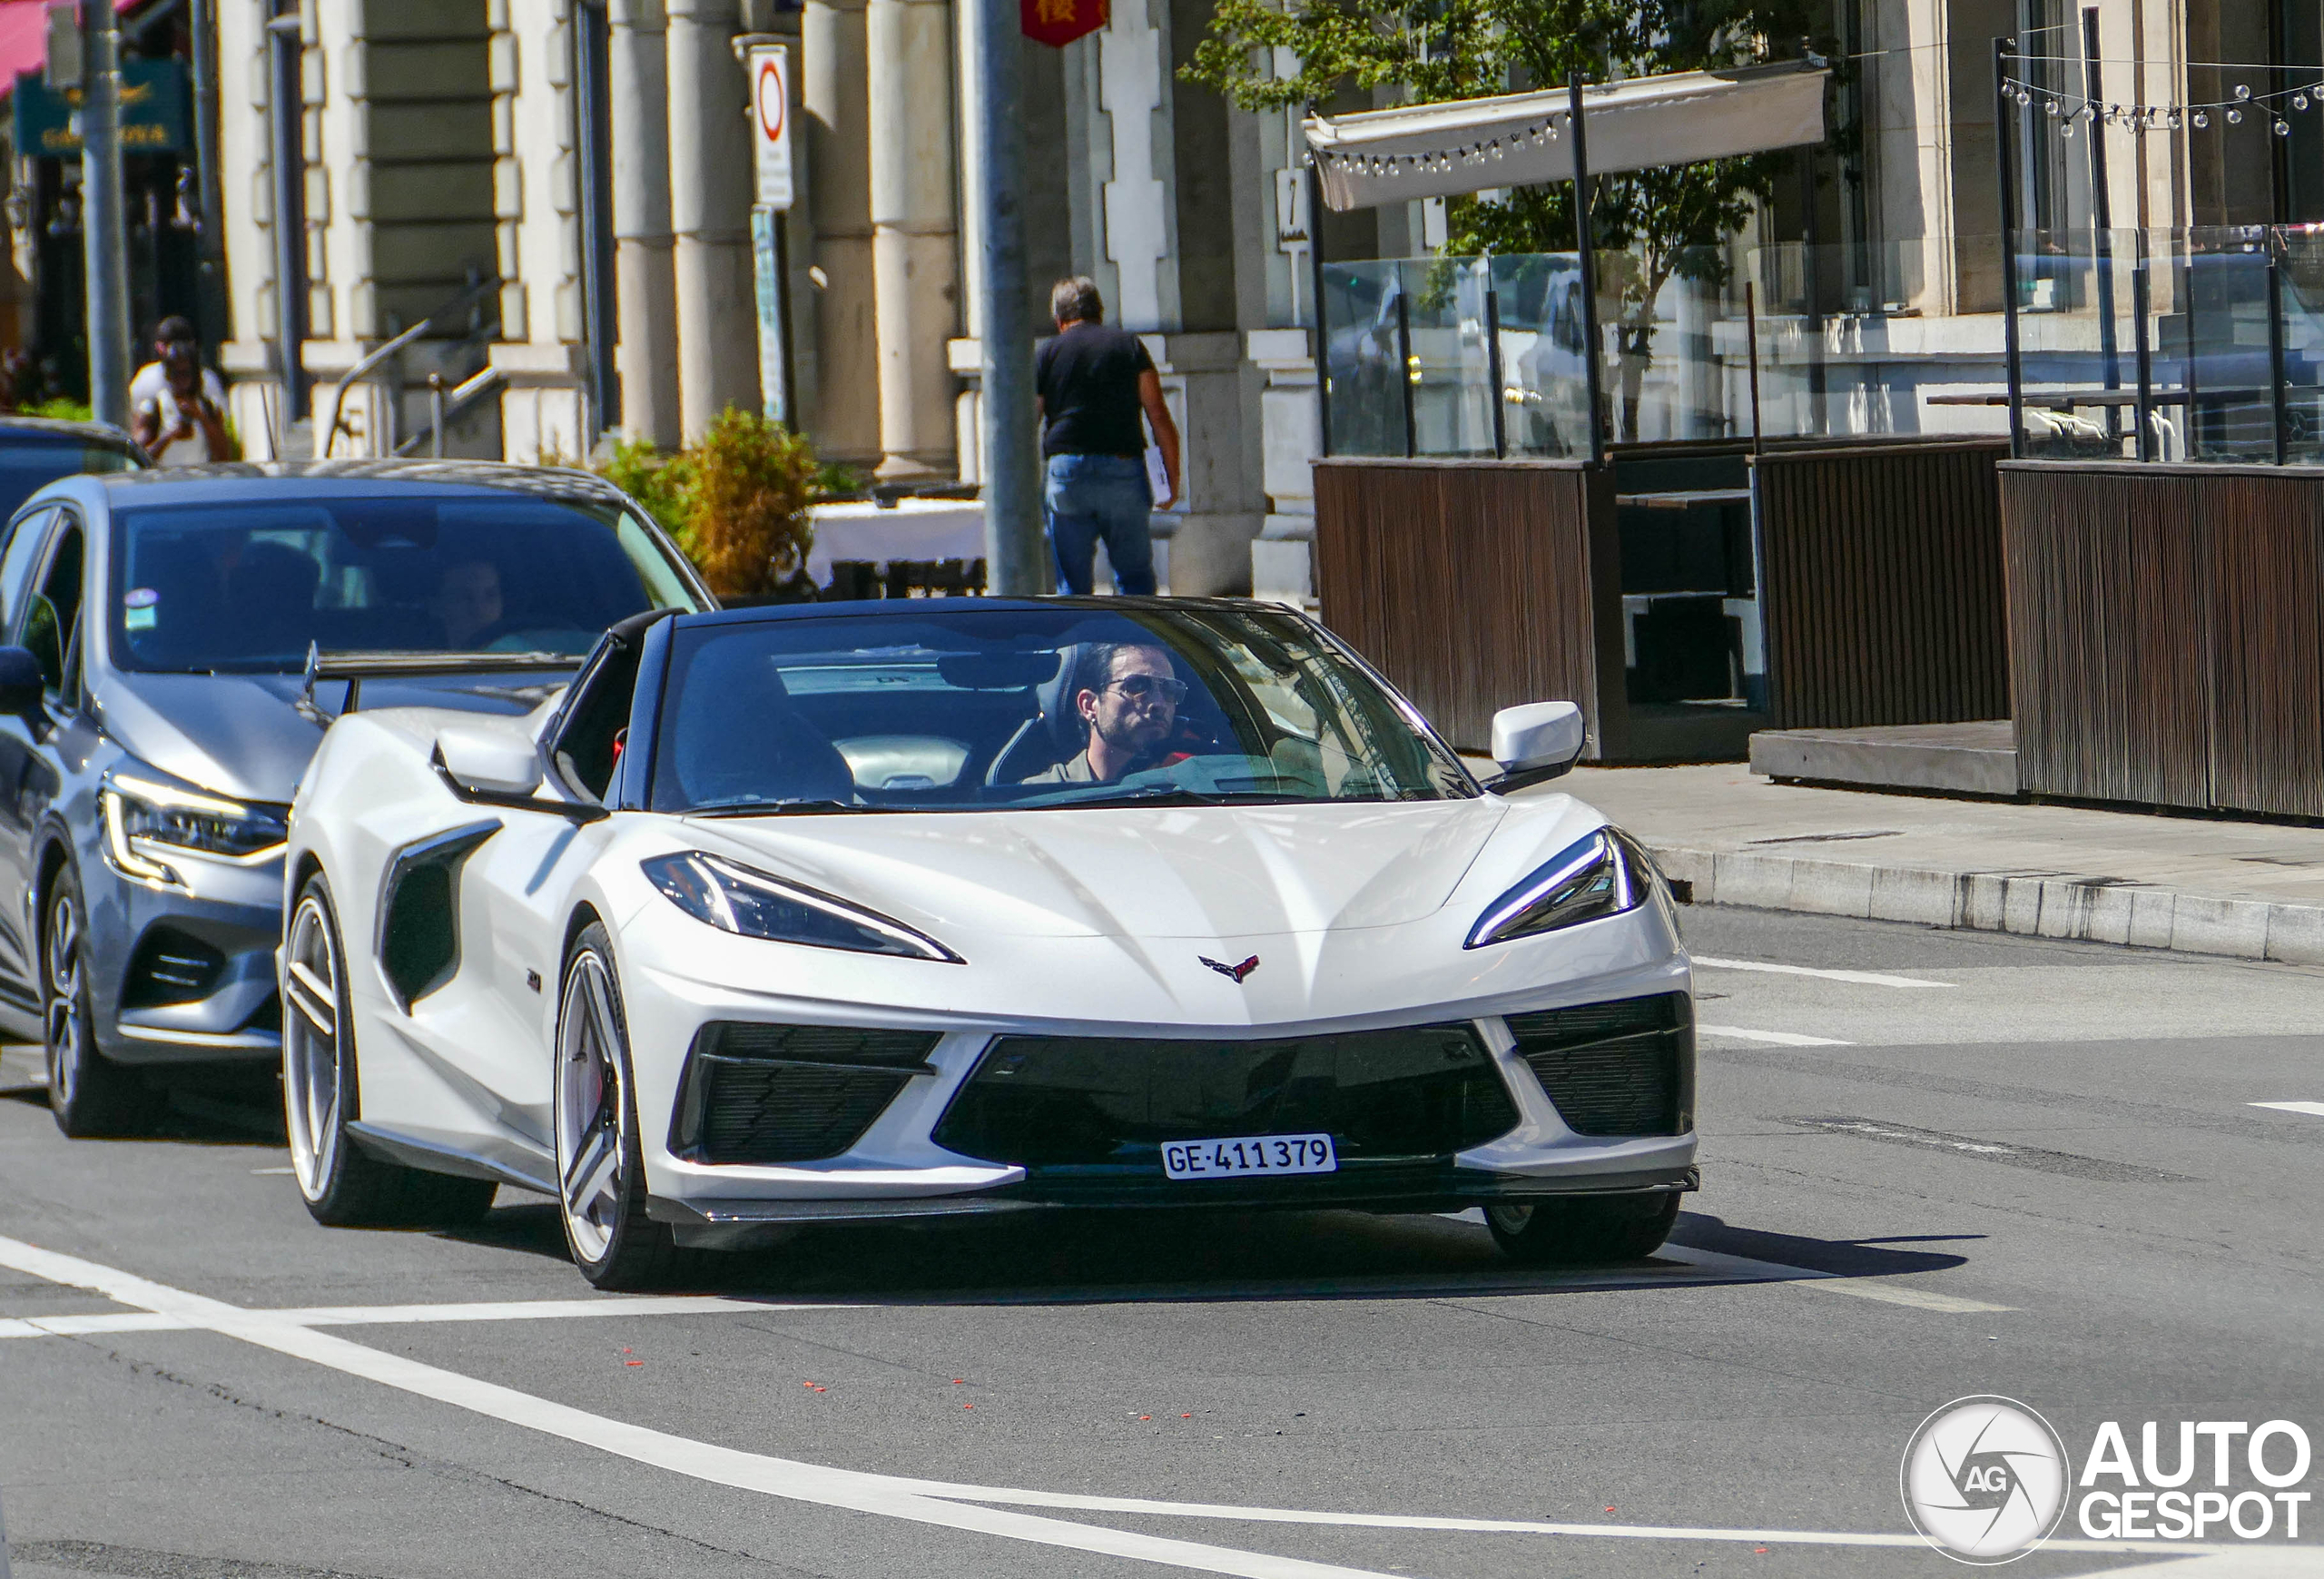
(1468, 145)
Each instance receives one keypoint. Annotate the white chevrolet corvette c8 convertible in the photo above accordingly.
(885, 910)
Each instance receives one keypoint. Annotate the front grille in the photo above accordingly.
(790, 1093)
(1042, 1102)
(171, 967)
(1615, 1069)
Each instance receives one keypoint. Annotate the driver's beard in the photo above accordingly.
(1124, 740)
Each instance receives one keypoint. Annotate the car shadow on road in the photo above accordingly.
(1138, 1257)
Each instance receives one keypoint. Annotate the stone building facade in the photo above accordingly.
(514, 172)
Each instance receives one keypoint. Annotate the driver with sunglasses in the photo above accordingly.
(1128, 714)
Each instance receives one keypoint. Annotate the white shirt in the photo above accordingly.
(151, 387)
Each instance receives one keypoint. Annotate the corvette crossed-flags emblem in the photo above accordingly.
(1234, 973)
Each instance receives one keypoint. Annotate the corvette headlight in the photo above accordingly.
(1603, 874)
(148, 821)
(740, 899)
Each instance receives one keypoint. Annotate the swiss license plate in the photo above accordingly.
(1248, 1156)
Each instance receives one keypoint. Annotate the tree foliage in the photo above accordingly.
(736, 500)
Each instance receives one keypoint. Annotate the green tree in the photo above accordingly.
(1668, 222)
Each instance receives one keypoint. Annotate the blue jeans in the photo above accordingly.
(1100, 498)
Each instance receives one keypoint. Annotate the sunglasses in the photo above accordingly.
(1139, 687)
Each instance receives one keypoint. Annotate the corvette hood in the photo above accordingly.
(1201, 873)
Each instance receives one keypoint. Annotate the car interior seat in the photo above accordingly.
(1055, 733)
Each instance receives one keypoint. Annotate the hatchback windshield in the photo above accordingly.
(969, 709)
(246, 586)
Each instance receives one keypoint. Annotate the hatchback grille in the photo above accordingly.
(790, 1093)
(1615, 1069)
(1422, 1091)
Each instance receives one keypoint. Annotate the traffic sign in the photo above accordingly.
(1057, 23)
(769, 65)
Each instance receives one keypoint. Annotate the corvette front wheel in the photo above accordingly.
(343, 1185)
(600, 1171)
(1582, 1229)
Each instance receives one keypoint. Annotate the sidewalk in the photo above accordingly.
(2248, 890)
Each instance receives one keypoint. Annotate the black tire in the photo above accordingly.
(88, 1093)
(1583, 1230)
(600, 1167)
(343, 1185)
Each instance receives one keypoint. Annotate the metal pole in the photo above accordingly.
(1819, 409)
(1586, 238)
(212, 237)
(1404, 362)
(593, 97)
(1323, 336)
(2101, 223)
(2003, 158)
(1492, 365)
(1751, 350)
(103, 225)
(1016, 548)
(2276, 395)
(2140, 304)
(436, 415)
(289, 164)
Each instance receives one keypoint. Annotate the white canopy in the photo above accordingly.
(1522, 140)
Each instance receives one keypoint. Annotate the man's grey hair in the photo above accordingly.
(1076, 301)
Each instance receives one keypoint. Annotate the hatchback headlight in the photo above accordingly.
(1603, 874)
(149, 823)
(752, 903)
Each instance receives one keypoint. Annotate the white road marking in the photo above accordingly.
(976, 1509)
(1888, 1291)
(1775, 1038)
(262, 1171)
(2315, 1108)
(407, 1315)
(1861, 978)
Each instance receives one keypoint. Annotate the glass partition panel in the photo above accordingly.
(1449, 365)
(1544, 384)
(1364, 364)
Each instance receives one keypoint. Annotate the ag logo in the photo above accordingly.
(1984, 1479)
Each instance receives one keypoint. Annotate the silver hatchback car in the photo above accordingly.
(155, 717)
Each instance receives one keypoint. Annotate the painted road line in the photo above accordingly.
(1887, 1291)
(2315, 1108)
(1861, 978)
(1773, 1038)
(918, 1500)
(409, 1315)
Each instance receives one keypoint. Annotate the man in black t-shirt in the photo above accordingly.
(1094, 383)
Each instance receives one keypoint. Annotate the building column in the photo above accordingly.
(915, 252)
(836, 102)
(645, 292)
(711, 183)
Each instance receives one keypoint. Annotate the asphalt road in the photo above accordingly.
(2038, 1172)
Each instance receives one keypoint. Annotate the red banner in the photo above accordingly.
(1057, 23)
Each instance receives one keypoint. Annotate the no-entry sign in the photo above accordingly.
(770, 68)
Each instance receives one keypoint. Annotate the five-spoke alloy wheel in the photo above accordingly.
(601, 1175)
(88, 1092)
(343, 1184)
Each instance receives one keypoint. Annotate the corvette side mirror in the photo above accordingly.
(1537, 741)
(22, 683)
(484, 761)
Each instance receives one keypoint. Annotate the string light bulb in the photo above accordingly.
(2201, 120)
(2243, 93)
(2235, 117)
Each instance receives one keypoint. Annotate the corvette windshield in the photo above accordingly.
(246, 586)
(974, 708)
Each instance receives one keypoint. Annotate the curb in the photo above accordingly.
(2049, 904)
